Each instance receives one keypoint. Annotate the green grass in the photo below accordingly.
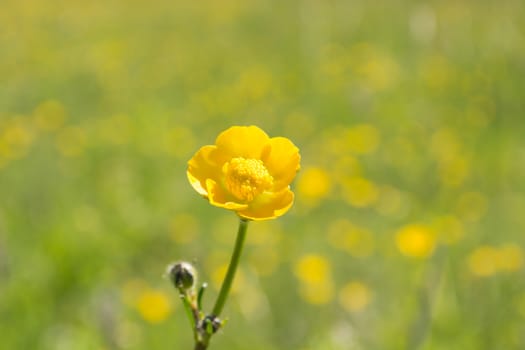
(412, 114)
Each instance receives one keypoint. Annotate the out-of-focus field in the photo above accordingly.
(408, 228)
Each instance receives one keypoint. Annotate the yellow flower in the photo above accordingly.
(355, 296)
(154, 306)
(416, 241)
(247, 172)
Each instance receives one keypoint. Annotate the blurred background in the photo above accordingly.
(408, 226)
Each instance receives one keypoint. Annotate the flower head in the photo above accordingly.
(247, 172)
(182, 275)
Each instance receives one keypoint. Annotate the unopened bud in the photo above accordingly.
(182, 275)
(212, 324)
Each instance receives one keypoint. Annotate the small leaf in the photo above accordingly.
(201, 293)
(209, 327)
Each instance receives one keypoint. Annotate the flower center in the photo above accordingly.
(246, 178)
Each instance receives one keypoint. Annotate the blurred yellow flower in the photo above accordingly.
(355, 296)
(154, 306)
(15, 139)
(317, 294)
(314, 273)
(487, 260)
(247, 172)
(314, 184)
(482, 262)
(416, 241)
(510, 257)
(359, 192)
(312, 269)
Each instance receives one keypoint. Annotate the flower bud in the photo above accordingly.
(182, 275)
(212, 324)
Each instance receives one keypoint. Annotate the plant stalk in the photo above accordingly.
(230, 274)
(202, 344)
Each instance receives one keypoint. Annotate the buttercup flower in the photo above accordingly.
(247, 172)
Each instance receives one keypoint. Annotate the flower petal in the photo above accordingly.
(269, 206)
(242, 141)
(219, 198)
(282, 161)
(205, 164)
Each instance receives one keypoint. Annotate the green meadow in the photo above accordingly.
(408, 226)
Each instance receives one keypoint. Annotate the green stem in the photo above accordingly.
(201, 346)
(230, 274)
(204, 335)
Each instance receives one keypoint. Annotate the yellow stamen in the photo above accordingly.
(246, 178)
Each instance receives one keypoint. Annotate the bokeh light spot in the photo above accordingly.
(313, 184)
(359, 192)
(355, 296)
(416, 241)
(154, 306)
(312, 269)
(317, 294)
(482, 262)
